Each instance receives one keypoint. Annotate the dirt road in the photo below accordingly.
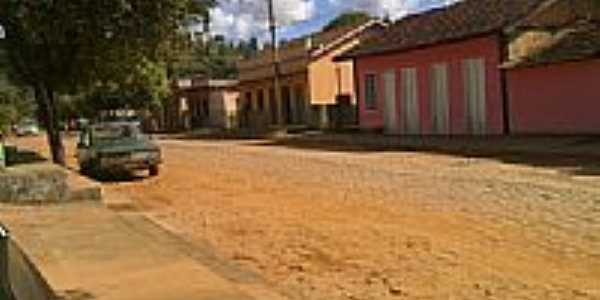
(326, 224)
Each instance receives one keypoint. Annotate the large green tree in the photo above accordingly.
(145, 89)
(59, 47)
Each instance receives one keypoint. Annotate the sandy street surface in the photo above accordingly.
(325, 224)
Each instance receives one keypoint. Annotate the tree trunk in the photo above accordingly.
(46, 101)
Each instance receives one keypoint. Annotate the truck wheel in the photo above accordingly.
(153, 170)
(84, 169)
(87, 169)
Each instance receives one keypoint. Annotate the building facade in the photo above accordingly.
(311, 84)
(451, 88)
(555, 90)
(201, 103)
(442, 72)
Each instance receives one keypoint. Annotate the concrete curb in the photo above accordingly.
(20, 279)
(81, 188)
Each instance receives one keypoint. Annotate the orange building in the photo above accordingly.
(311, 84)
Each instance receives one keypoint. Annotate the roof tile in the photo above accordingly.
(460, 20)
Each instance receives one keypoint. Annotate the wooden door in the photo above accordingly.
(475, 95)
(286, 102)
(273, 106)
(410, 102)
(439, 102)
(390, 113)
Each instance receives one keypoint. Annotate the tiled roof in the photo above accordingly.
(326, 37)
(296, 55)
(460, 20)
(327, 40)
(578, 42)
(310, 44)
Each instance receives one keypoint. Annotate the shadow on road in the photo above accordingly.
(115, 176)
(575, 156)
(232, 135)
(75, 295)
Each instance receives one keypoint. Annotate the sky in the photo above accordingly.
(242, 19)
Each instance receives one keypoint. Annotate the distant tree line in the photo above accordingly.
(214, 58)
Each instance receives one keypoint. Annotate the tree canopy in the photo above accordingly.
(348, 19)
(64, 47)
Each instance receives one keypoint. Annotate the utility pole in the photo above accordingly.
(276, 71)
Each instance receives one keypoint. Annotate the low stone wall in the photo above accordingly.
(33, 183)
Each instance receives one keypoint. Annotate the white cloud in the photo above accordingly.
(247, 18)
(242, 19)
(393, 8)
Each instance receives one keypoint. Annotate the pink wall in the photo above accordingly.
(453, 54)
(556, 99)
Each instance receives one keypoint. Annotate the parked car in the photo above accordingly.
(117, 146)
(27, 128)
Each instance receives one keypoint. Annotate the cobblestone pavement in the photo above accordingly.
(350, 224)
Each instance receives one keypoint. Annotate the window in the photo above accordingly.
(286, 104)
(371, 91)
(248, 102)
(206, 107)
(273, 106)
(300, 102)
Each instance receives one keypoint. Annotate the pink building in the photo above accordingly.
(440, 72)
(557, 90)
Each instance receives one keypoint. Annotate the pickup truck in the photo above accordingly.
(117, 146)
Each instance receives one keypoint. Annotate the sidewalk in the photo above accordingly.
(86, 252)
